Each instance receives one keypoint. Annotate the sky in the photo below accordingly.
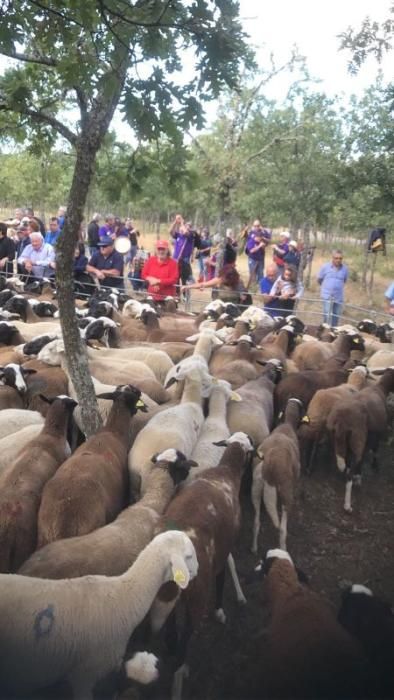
(313, 25)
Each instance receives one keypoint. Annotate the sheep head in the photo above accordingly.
(175, 462)
(127, 394)
(183, 564)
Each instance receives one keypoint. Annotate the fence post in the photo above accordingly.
(330, 311)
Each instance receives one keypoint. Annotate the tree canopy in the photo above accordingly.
(74, 63)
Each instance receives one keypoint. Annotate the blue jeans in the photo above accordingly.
(256, 268)
(331, 311)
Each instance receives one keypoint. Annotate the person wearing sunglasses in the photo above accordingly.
(332, 278)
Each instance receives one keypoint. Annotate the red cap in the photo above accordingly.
(162, 244)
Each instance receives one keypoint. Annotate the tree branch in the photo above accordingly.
(82, 101)
(134, 23)
(275, 140)
(30, 58)
(43, 118)
(65, 18)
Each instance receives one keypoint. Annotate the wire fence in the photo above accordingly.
(308, 309)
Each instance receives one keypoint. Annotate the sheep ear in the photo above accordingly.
(235, 397)
(261, 362)
(154, 458)
(45, 398)
(110, 395)
(192, 338)
(170, 382)
(28, 371)
(221, 443)
(180, 572)
(260, 452)
(190, 463)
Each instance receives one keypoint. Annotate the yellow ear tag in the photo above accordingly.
(356, 340)
(179, 577)
(235, 397)
(140, 404)
(305, 419)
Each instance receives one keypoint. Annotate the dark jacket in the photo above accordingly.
(93, 234)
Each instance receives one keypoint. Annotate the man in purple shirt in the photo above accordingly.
(108, 229)
(184, 239)
(257, 240)
(332, 278)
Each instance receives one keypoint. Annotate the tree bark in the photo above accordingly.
(94, 126)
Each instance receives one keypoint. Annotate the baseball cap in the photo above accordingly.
(162, 244)
(285, 234)
(293, 243)
(105, 240)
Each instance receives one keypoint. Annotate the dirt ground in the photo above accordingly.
(334, 550)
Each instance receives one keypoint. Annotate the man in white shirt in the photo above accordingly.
(38, 258)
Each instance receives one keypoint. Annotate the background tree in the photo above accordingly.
(76, 62)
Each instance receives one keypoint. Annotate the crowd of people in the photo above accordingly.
(110, 250)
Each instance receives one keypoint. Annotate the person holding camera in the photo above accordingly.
(284, 292)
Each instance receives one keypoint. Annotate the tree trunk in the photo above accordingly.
(75, 351)
(94, 126)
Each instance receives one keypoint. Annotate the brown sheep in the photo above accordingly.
(307, 654)
(22, 483)
(314, 354)
(90, 488)
(278, 472)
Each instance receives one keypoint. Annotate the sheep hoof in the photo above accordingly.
(357, 480)
(348, 509)
(241, 600)
(220, 616)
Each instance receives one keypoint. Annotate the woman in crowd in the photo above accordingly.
(228, 284)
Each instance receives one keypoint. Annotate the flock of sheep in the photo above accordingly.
(139, 522)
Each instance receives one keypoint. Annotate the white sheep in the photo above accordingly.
(14, 419)
(10, 445)
(77, 630)
(177, 427)
(214, 428)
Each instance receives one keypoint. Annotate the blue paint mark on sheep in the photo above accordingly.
(44, 622)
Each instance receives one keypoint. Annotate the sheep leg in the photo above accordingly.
(233, 572)
(219, 612)
(312, 455)
(182, 668)
(257, 489)
(283, 529)
(348, 493)
(270, 496)
(177, 685)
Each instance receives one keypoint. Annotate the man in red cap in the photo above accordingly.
(161, 272)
